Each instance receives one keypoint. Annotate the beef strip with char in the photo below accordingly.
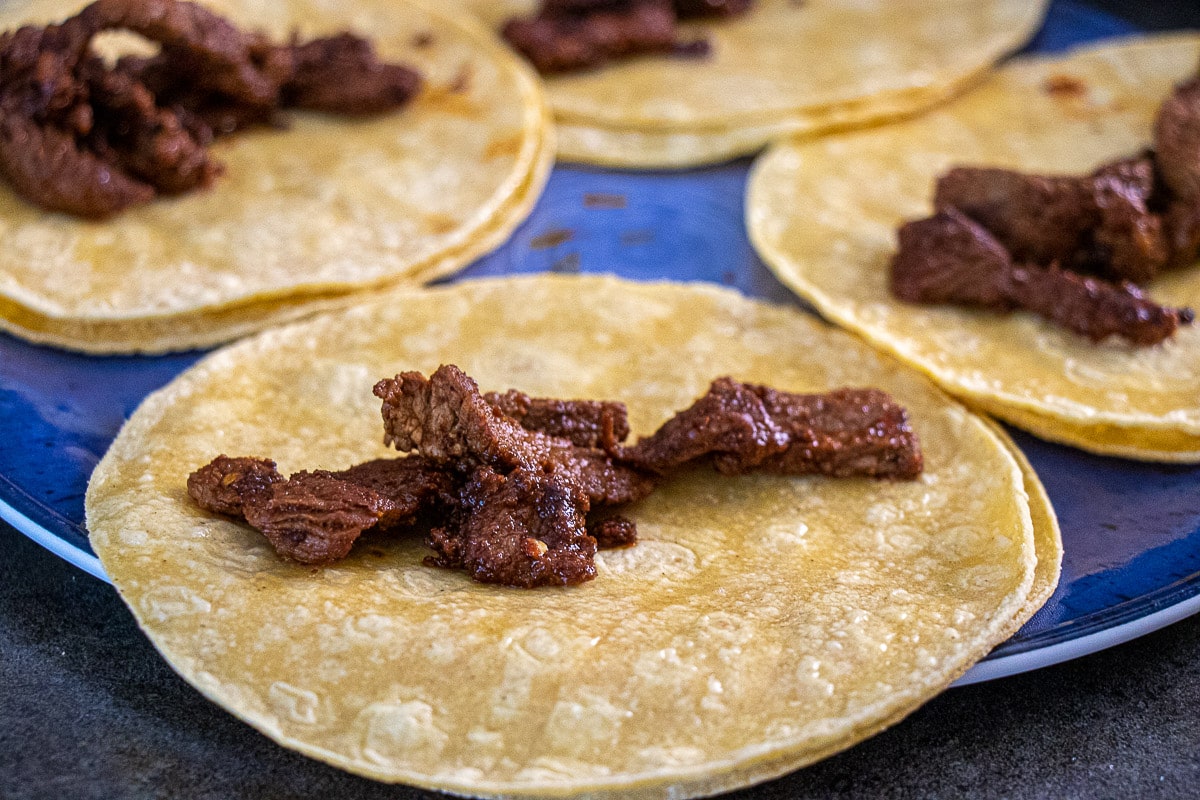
(689, 9)
(1177, 141)
(744, 427)
(513, 501)
(526, 529)
(342, 75)
(563, 42)
(87, 139)
(1098, 224)
(445, 418)
(569, 35)
(949, 258)
(1177, 155)
(586, 423)
(843, 433)
(315, 517)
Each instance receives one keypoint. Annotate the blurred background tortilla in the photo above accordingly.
(327, 207)
(812, 66)
(823, 215)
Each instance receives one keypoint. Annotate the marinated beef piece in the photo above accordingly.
(687, 9)
(226, 484)
(1095, 308)
(571, 35)
(613, 532)
(586, 423)
(217, 51)
(45, 166)
(522, 529)
(604, 481)
(446, 419)
(342, 75)
(1098, 224)
(845, 433)
(411, 485)
(152, 144)
(729, 423)
(744, 427)
(315, 517)
(1177, 141)
(509, 505)
(79, 136)
(948, 258)
(568, 42)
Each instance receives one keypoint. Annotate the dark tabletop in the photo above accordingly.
(89, 710)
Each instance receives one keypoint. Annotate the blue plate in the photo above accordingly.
(1131, 530)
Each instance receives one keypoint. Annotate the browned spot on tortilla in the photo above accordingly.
(454, 104)
(551, 238)
(1064, 86)
(508, 146)
(422, 40)
(440, 223)
(462, 82)
(630, 238)
(568, 264)
(604, 200)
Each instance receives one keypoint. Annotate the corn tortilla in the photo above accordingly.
(328, 206)
(784, 65)
(761, 623)
(823, 214)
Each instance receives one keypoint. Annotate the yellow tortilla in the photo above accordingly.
(784, 66)
(634, 148)
(761, 623)
(824, 213)
(328, 207)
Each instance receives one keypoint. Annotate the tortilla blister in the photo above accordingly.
(761, 623)
(784, 66)
(302, 217)
(823, 215)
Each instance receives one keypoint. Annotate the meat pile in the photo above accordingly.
(521, 491)
(1072, 249)
(570, 35)
(85, 137)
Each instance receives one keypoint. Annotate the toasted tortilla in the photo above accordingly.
(307, 215)
(762, 622)
(811, 66)
(824, 213)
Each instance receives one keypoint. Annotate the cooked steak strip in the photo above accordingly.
(1099, 224)
(85, 138)
(572, 35)
(526, 529)
(510, 505)
(948, 258)
(743, 427)
(583, 422)
(315, 517)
